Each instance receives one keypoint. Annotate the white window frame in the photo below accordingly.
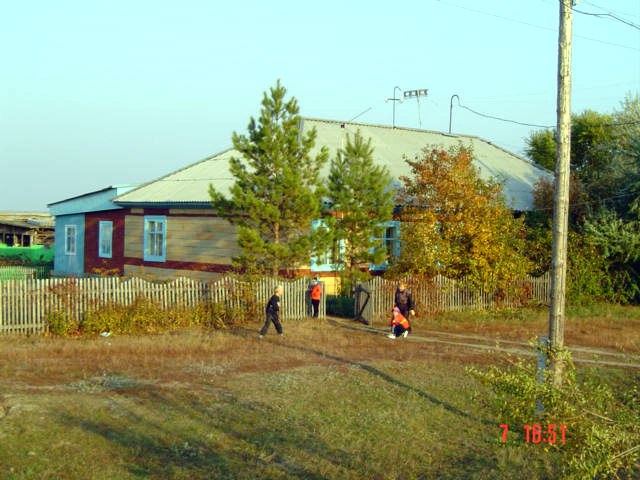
(151, 240)
(70, 240)
(105, 239)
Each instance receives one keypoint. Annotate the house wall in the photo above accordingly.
(146, 271)
(197, 241)
(92, 259)
(63, 263)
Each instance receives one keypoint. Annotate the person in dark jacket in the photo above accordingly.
(403, 300)
(272, 311)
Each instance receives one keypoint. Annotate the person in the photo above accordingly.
(316, 293)
(272, 311)
(399, 324)
(404, 301)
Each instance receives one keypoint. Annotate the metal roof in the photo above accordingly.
(191, 183)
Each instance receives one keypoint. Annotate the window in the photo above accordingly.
(105, 236)
(155, 238)
(391, 241)
(332, 258)
(70, 239)
(391, 244)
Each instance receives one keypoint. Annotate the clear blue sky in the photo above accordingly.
(108, 92)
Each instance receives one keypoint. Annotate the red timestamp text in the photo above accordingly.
(550, 434)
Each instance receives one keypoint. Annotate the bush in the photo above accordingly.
(340, 306)
(60, 323)
(143, 316)
(601, 428)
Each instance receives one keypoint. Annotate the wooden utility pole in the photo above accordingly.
(561, 192)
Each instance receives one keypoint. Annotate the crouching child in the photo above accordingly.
(399, 324)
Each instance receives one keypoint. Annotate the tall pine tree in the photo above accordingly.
(276, 193)
(360, 194)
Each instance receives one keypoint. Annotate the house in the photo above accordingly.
(170, 228)
(89, 232)
(24, 229)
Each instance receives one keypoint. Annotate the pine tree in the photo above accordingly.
(276, 194)
(360, 195)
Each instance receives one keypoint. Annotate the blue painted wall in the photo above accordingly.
(69, 264)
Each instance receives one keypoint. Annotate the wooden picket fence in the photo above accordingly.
(442, 294)
(19, 272)
(24, 304)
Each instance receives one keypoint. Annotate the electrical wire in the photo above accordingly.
(620, 124)
(580, 204)
(610, 10)
(602, 15)
(537, 26)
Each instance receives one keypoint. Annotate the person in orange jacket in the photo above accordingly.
(399, 324)
(316, 294)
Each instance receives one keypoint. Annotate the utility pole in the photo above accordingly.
(561, 192)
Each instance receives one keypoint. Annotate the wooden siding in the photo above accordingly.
(201, 239)
(192, 211)
(166, 273)
(133, 236)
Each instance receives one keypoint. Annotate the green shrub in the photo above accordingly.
(601, 428)
(340, 306)
(60, 323)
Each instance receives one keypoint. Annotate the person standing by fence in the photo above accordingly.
(316, 294)
(404, 301)
(272, 311)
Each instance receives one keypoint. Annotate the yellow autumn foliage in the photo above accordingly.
(456, 224)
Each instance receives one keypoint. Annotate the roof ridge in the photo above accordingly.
(456, 135)
(210, 157)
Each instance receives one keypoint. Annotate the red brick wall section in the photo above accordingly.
(91, 233)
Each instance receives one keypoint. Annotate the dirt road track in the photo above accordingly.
(580, 354)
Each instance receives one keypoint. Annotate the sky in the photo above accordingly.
(100, 93)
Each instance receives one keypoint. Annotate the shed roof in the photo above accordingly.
(189, 185)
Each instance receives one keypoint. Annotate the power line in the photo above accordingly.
(537, 26)
(504, 119)
(580, 204)
(605, 15)
(610, 10)
(620, 124)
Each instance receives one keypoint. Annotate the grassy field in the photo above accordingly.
(321, 403)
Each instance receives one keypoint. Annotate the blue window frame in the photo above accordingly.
(105, 239)
(391, 242)
(155, 238)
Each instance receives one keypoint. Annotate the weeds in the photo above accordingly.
(601, 428)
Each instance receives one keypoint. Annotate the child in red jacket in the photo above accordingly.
(399, 324)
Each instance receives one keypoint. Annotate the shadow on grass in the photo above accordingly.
(249, 440)
(242, 331)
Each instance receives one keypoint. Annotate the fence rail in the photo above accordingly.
(375, 297)
(25, 304)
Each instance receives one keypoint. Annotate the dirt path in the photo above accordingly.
(580, 354)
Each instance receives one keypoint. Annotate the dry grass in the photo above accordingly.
(324, 402)
(601, 326)
(187, 354)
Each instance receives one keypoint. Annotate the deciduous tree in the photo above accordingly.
(457, 224)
